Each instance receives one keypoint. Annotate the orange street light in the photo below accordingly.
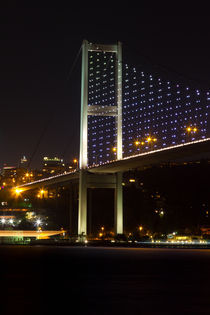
(76, 162)
(191, 130)
(41, 194)
(18, 191)
(114, 150)
(151, 139)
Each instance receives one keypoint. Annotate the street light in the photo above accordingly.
(138, 144)
(38, 222)
(150, 140)
(76, 162)
(114, 150)
(18, 191)
(190, 131)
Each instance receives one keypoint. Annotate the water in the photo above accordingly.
(90, 280)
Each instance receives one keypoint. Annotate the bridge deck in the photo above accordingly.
(185, 151)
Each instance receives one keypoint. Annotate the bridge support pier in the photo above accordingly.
(88, 180)
(82, 215)
(118, 215)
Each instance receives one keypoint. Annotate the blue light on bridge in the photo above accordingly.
(152, 107)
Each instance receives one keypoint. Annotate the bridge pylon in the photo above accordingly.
(99, 110)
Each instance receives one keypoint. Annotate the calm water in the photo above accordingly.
(88, 280)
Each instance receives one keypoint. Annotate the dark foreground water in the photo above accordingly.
(88, 280)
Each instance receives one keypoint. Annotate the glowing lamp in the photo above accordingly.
(18, 191)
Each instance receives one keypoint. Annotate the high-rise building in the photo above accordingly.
(53, 165)
(23, 161)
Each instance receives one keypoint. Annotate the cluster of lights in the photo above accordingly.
(41, 193)
(148, 140)
(38, 222)
(7, 221)
(192, 129)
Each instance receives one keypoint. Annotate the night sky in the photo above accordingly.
(39, 89)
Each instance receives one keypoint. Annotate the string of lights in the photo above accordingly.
(153, 108)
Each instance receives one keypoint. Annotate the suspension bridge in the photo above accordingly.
(130, 119)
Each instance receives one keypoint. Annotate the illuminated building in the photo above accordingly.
(53, 165)
(23, 161)
(8, 176)
(9, 171)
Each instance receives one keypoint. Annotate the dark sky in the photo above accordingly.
(40, 102)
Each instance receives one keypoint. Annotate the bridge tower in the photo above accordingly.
(99, 110)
